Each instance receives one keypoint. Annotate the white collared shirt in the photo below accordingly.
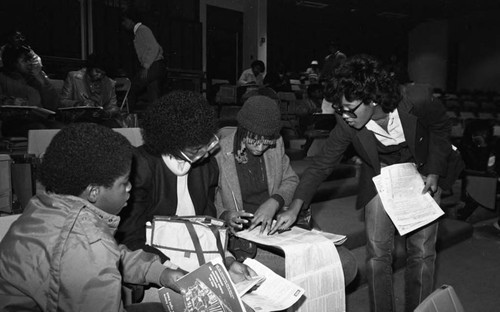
(394, 134)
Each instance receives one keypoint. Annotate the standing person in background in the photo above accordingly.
(332, 61)
(153, 68)
(387, 125)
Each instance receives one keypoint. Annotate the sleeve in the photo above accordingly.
(151, 48)
(246, 78)
(212, 187)
(323, 164)
(49, 95)
(289, 180)
(132, 229)
(66, 93)
(140, 267)
(433, 116)
(111, 104)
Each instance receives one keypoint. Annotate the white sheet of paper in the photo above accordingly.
(400, 189)
(274, 294)
(311, 262)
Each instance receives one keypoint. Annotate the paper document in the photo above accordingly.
(400, 189)
(312, 263)
(274, 294)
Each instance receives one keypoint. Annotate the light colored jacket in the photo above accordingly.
(281, 179)
(60, 255)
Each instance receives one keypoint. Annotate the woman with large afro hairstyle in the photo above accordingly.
(180, 120)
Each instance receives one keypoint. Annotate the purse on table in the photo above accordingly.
(189, 241)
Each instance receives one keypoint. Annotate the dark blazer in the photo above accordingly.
(154, 192)
(427, 131)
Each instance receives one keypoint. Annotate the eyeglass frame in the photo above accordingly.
(349, 112)
(211, 146)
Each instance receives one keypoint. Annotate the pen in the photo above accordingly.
(283, 230)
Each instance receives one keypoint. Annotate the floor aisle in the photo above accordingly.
(471, 267)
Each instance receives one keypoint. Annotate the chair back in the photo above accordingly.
(58, 84)
(444, 299)
(122, 87)
(226, 94)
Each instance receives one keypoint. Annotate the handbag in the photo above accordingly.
(189, 241)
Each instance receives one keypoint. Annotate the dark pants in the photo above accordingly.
(421, 255)
(152, 86)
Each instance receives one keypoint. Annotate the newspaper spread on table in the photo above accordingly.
(400, 189)
(311, 262)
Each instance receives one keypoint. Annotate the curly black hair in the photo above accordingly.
(84, 154)
(362, 77)
(180, 119)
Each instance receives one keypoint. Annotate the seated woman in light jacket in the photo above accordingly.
(256, 179)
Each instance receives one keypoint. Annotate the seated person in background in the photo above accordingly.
(91, 87)
(309, 106)
(172, 172)
(60, 255)
(23, 83)
(253, 75)
(13, 38)
(256, 180)
(312, 73)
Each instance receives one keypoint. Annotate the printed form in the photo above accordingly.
(400, 189)
(311, 262)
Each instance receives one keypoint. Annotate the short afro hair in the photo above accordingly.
(362, 77)
(84, 154)
(180, 119)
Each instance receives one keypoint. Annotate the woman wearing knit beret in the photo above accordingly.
(256, 179)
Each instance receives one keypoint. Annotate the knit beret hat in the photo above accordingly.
(260, 115)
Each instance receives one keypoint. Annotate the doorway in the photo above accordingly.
(224, 43)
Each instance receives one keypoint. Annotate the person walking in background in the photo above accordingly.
(153, 68)
(387, 124)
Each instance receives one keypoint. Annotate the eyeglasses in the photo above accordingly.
(201, 152)
(339, 109)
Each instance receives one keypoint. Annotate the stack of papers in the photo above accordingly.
(400, 189)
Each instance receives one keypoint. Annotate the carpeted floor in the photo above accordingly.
(471, 267)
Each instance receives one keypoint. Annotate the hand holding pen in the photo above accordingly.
(239, 219)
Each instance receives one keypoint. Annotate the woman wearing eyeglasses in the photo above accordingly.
(256, 178)
(386, 124)
(171, 173)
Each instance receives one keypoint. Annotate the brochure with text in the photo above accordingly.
(208, 288)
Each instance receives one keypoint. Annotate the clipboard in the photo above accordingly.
(14, 111)
(80, 113)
